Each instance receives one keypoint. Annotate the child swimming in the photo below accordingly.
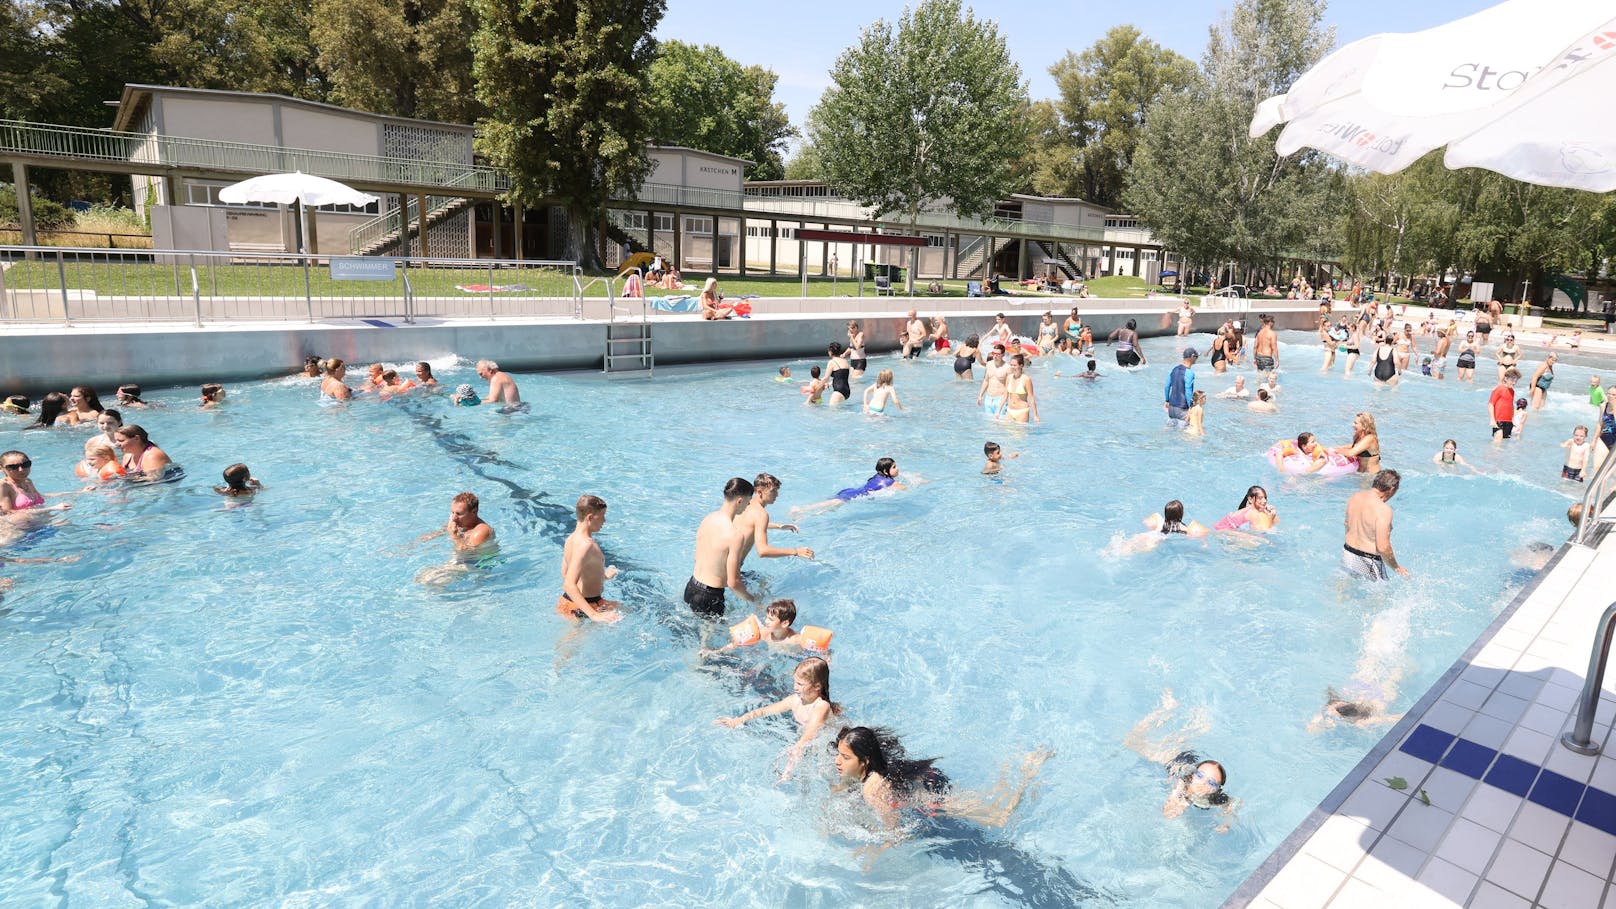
(876, 396)
(886, 477)
(995, 457)
(238, 481)
(810, 706)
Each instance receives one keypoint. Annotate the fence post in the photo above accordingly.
(308, 294)
(61, 273)
(196, 292)
(491, 291)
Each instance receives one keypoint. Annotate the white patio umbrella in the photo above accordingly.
(294, 188)
(1520, 88)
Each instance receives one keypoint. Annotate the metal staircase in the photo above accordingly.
(629, 350)
(970, 258)
(384, 232)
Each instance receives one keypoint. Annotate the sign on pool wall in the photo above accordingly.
(362, 268)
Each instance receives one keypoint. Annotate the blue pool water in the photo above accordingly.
(227, 703)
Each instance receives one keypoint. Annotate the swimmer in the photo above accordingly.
(100, 462)
(1169, 522)
(1238, 391)
(1180, 389)
(1577, 449)
(1046, 334)
(995, 456)
(1264, 402)
(17, 405)
(212, 395)
(1186, 319)
(777, 632)
(1254, 511)
(1519, 417)
(392, 385)
(82, 405)
(915, 335)
(17, 491)
(1367, 552)
(1541, 380)
(333, 390)
(1196, 783)
(837, 370)
(423, 375)
(1196, 415)
(108, 423)
(1385, 371)
(1364, 700)
(1072, 328)
(1449, 456)
(810, 706)
(704, 592)
(1466, 364)
(939, 334)
(1265, 349)
(1020, 402)
(142, 459)
(1126, 339)
(311, 370)
(471, 536)
(990, 397)
(465, 396)
(998, 332)
(1439, 356)
(1596, 395)
(751, 528)
(129, 396)
(584, 571)
(784, 375)
(873, 762)
(967, 355)
(238, 481)
(886, 477)
(373, 381)
(856, 359)
(1365, 444)
(815, 387)
(1090, 373)
(1272, 384)
(501, 388)
(877, 396)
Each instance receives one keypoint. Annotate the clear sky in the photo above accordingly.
(800, 41)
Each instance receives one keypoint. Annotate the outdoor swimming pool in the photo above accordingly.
(239, 704)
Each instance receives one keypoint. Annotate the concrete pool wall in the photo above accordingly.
(37, 358)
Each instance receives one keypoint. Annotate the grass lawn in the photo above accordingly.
(789, 286)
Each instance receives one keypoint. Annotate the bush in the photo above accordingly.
(48, 215)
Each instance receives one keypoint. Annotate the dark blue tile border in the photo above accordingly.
(1469, 758)
(1598, 810)
(1428, 743)
(1559, 794)
(1512, 775)
(378, 323)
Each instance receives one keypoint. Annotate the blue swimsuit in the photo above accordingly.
(873, 484)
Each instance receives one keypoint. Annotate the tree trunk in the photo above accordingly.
(581, 247)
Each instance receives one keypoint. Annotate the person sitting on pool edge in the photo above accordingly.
(1196, 782)
(584, 571)
(886, 477)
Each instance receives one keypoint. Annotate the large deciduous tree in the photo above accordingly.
(1105, 94)
(564, 85)
(1202, 185)
(702, 98)
(923, 113)
(407, 58)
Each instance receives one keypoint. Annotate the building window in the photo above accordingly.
(698, 225)
(664, 222)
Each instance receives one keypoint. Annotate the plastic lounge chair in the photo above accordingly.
(883, 285)
(974, 289)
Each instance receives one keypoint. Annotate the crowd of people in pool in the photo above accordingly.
(870, 759)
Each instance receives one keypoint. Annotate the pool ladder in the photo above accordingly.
(1595, 498)
(629, 351)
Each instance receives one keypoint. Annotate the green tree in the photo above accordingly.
(1105, 94)
(922, 114)
(703, 99)
(1202, 185)
(407, 58)
(564, 84)
(805, 164)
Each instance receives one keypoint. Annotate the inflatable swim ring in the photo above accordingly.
(1285, 456)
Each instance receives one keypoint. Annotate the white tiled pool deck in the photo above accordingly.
(1514, 818)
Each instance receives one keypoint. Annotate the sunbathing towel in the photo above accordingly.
(675, 304)
(497, 288)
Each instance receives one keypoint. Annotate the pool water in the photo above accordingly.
(232, 702)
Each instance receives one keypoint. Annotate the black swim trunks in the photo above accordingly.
(859, 364)
(1127, 358)
(1505, 429)
(1265, 363)
(704, 600)
(1571, 473)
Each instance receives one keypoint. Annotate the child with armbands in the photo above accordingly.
(810, 706)
(778, 633)
(815, 387)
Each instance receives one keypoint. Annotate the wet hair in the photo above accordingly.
(1251, 492)
(988, 448)
(311, 366)
(50, 410)
(1512, 375)
(389, 375)
(88, 396)
(1303, 438)
(884, 466)
(1020, 359)
(1447, 442)
(94, 449)
(1000, 316)
(1369, 425)
(212, 390)
(737, 488)
(236, 476)
(1387, 480)
(114, 413)
(489, 365)
(133, 431)
(1133, 323)
(1262, 394)
(468, 499)
(814, 372)
(588, 505)
(424, 365)
(834, 349)
(1574, 514)
(785, 370)
(334, 364)
(884, 377)
(881, 753)
(765, 481)
(1223, 775)
(18, 404)
(784, 610)
(852, 325)
(1198, 399)
(1092, 364)
(1173, 513)
(817, 673)
(131, 392)
(973, 340)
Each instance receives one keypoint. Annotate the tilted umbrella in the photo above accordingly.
(1518, 89)
(294, 188)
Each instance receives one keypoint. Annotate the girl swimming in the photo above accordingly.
(809, 703)
(878, 395)
(873, 762)
(1254, 510)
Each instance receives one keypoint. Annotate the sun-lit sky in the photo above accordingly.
(800, 41)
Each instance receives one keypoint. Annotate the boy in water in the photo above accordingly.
(584, 571)
(995, 457)
(239, 481)
(1576, 459)
(815, 387)
(777, 630)
(785, 374)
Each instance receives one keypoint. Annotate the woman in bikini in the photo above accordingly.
(1046, 334)
(712, 302)
(1019, 400)
(141, 459)
(1365, 444)
(1508, 356)
(82, 406)
(855, 350)
(1406, 348)
(17, 490)
(1353, 349)
(332, 389)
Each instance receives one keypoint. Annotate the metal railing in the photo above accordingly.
(1595, 497)
(395, 223)
(47, 284)
(1579, 737)
(44, 140)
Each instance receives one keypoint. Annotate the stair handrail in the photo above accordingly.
(1579, 737)
(1595, 496)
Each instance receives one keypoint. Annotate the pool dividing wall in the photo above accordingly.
(35, 358)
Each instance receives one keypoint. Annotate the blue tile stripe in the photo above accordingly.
(1554, 791)
(378, 323)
